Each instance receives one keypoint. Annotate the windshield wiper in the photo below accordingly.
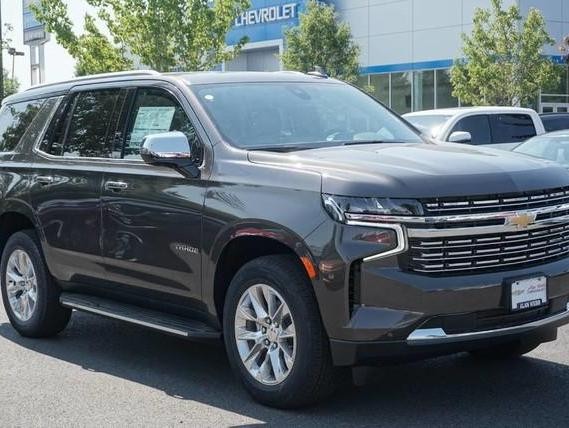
(356, 142)
(280, 149)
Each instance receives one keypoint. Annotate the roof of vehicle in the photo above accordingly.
(553, 115)
(190, 78)
(465, 110)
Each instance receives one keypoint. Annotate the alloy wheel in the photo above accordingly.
(21, 285)
(265, 334)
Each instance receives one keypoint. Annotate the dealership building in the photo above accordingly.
(407, 46)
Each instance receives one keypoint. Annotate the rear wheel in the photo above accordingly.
(274, 336)
(30, 297)
(505, 350)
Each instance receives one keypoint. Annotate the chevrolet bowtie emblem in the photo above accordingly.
(521, 221)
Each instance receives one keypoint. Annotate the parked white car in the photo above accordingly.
(500, 127)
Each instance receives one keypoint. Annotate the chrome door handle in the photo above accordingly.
(116, 186)
(44, 179)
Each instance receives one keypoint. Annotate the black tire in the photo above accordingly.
(49, 317)
(505, 351)
(313, 376)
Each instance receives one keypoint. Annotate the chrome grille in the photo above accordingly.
(494, 203)
(476, 253)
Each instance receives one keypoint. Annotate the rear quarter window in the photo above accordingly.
(15, 120)
(512, 128)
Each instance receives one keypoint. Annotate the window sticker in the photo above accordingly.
(151, 120)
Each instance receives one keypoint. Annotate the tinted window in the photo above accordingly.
(156, 111)
(89, 124)
(14, 120)
(555, 123)
(512, 128)
(478, 126)
(272, 114)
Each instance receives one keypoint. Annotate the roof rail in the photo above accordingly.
(132, 73)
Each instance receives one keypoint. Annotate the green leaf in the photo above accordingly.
(503, 62)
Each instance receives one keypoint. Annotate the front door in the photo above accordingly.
(152, 215)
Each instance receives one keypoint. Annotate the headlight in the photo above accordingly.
(370, 210)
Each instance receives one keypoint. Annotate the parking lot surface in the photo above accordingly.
(100, 372)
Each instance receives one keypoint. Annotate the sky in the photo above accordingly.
(59, 64)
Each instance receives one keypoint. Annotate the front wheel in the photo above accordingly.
(30, 297)
(274, 336)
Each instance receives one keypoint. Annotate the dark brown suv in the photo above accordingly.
(292, 214)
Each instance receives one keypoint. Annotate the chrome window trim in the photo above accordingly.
(399, 233)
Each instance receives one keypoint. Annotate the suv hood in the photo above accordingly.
(420, 170)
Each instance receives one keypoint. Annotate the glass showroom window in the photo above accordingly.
(380, 83)
(423, 90)
(444, 90)
(401, 84)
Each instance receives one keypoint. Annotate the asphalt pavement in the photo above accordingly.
(100, 372)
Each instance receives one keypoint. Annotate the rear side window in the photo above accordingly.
(88, 129)
(512, 128)
(478, 126)
(14, 120)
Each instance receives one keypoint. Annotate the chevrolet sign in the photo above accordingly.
(267, 14)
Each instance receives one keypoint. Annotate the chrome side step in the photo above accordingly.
(148, 318)
(434, 336)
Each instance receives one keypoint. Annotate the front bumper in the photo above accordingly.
(436, 336)
(379, 311)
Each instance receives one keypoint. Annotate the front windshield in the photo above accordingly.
(300, 115)
(554, 148)
(429, 125)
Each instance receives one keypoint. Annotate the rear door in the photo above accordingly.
(152, 215)
(508, 130)
(69, 167)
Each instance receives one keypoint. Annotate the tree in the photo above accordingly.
(164, 34)
(93, 52)
(503, 60)
(11, 86)
(321, 41)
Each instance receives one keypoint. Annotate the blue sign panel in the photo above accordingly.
(266, 20)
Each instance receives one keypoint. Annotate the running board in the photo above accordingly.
(155, 320)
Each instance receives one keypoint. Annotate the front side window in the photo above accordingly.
(512, 128)
(156, 111)
(14, 120)
(300, 114)
(478, 126)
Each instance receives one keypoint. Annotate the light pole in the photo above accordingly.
(14, 53)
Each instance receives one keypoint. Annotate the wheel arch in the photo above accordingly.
(249, 241)
(14, 217)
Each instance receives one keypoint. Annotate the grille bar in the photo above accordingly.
(491, 252)
(506, 202)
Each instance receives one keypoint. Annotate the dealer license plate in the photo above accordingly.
(529, 293)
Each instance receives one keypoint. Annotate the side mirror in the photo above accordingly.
(460, 137)
(170, 149)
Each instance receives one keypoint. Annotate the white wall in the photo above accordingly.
(415, 31)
